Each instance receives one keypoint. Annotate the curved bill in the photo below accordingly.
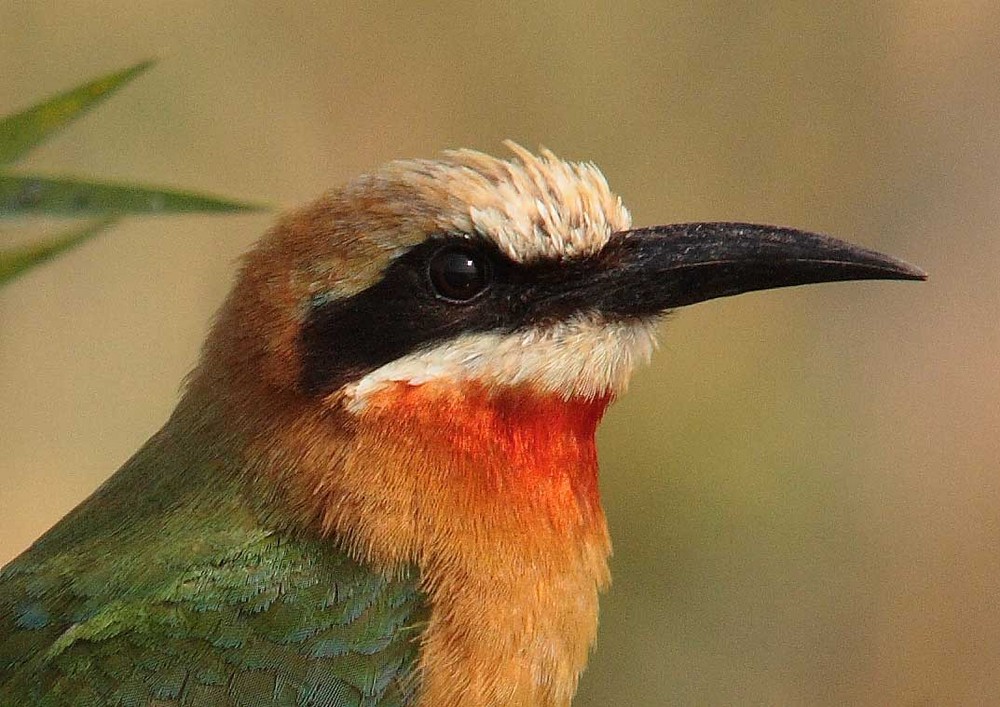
(658, 268)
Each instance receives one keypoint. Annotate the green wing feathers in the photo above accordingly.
(182, 597)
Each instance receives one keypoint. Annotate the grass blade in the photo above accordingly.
(17, 261)
(35, 196)
(22, 131)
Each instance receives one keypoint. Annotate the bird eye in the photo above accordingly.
(459, 273)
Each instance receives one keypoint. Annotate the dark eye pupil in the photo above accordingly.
(459, 273)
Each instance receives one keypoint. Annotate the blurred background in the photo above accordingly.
(802, 489)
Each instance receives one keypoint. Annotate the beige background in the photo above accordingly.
(803, 488)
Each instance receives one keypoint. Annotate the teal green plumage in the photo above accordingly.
(169, 586)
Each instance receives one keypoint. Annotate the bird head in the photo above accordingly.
(505, 274)
(416, 364)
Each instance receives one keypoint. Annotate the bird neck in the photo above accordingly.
(494, 496)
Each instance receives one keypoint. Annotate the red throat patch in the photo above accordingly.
(525, 446)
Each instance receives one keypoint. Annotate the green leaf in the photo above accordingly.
(22, 131)
(32, 196)
(15, 261)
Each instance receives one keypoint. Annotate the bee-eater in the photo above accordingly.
(380, 484)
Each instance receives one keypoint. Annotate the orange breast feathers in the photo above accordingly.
(494, 495)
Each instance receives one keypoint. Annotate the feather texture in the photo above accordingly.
(166, 587)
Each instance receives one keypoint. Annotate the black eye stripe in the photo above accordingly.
(343, 339)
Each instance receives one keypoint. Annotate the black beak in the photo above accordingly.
(650, 270)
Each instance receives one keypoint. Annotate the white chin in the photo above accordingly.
(583, 357)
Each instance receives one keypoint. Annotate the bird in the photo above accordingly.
(380, 485)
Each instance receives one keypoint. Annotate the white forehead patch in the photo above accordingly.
(532, 207)
(582, 357)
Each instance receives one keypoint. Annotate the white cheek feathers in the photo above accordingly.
(580, 358)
